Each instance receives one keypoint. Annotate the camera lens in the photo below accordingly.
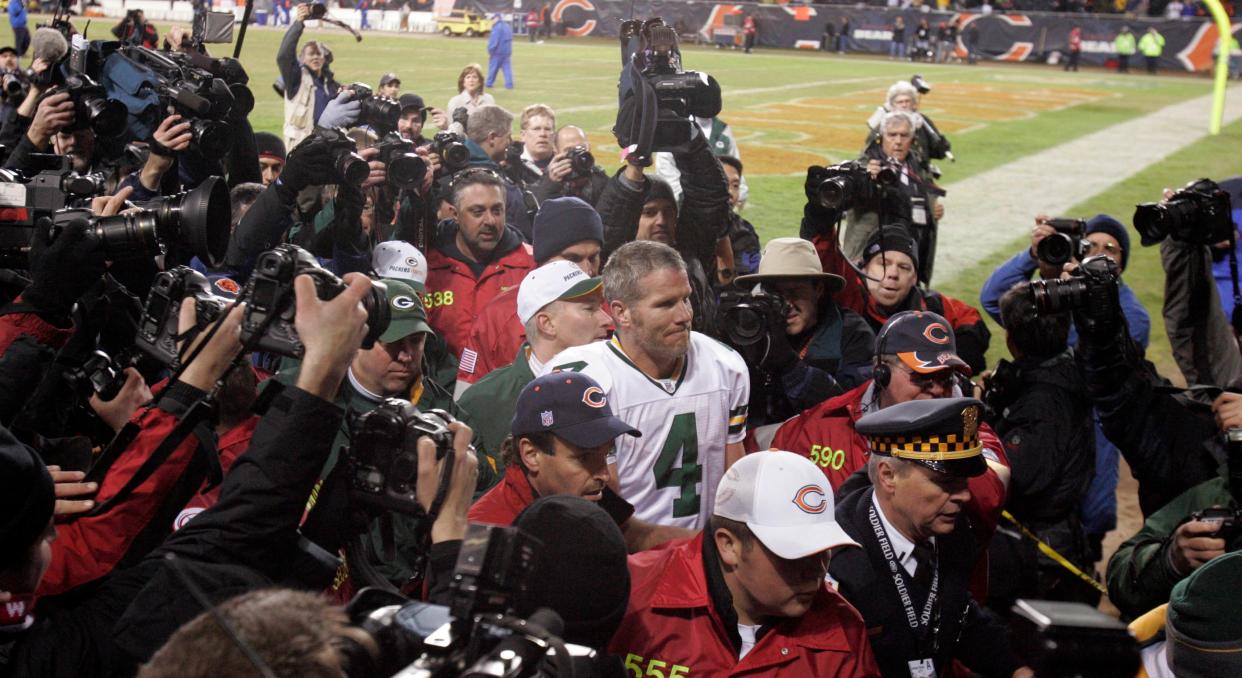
(212, 138)
(380, 113)
(833, 192)
(406, 170)
(1054, 296)
(106, 117)
(243, 100)
(1056, 249)
(745, 326)
(888, 175)
(126, 236)
(581, 160)
(350, 167)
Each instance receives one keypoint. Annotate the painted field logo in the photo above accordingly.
(810, 499)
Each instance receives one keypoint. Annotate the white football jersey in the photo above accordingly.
(670, 473)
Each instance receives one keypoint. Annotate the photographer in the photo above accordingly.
(1040, 409)
(911, 197)
(929, 144)
(572, 171)
(488, 137)
(134, 30)
(743, 238)
(813, 349)
(720, 139)
(309, 83)
(413, 119)
(1100, 235)
(537, 132)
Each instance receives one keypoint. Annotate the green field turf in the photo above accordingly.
(790, 109)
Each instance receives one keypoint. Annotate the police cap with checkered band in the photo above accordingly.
(941, 434)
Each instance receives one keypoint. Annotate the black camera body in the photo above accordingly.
(158, 328)
(1093, 283)
(848, 185)
(1198, 214)
(1001, 389)
(1069, 243)
(454, 156)
(91, 106)
(405, 168)
(747, 320)
(350, 167)
(378, 112)
(1228, 522)
(100, 375)
(53, 188)
(268, 322)
(581, 162)
(383, 454)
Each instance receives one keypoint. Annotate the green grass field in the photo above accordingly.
(791, 109)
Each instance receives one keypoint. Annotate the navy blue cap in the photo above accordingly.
(570, 405)
(922, 340)
(1102, 223)
(562, 222)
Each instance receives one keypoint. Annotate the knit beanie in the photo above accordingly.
(894, 238)
(26, 498)
(1102, 223)
(1202, 626)
(562, 222)
(270, 145)
(658, 188)
(580, 572)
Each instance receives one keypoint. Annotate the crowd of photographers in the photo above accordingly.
(359, 398)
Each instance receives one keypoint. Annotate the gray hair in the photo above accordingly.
(900, 466)
(893, 117)
(899, 88)
(487, 120)
(632, 262)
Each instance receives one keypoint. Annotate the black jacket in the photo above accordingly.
(244, 542)
(589, 189)
(966, 632)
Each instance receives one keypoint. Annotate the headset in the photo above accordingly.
(882, 374)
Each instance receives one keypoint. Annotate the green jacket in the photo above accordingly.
(487, 407)
(1140, 576)
(1124, 44)
(1151, 44)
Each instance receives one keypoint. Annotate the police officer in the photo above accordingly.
(910, 580)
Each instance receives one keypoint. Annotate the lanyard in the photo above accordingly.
(920, 623)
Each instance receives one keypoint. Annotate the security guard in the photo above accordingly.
(1125, 46)
(1152, 46)
(910, 580)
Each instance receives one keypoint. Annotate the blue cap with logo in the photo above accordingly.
(570, 405)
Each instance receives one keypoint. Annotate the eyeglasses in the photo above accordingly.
(944, 378)
(1111, 248)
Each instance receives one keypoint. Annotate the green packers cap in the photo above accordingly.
(408, 316)
(941, 434)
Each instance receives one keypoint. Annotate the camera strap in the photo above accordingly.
(924, 624)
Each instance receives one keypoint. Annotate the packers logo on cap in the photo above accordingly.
(403, 303)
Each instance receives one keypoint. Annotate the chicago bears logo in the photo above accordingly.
(594, 397)
(810, 499)
(228, 286)
(403, 303)
(937, 333)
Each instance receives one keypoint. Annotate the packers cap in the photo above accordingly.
(941, 434)
(558, 280)
(408, 315)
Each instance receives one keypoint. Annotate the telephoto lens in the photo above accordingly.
(350, 166)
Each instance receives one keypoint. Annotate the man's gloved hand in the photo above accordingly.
(310, 163)
(815, 210)
(61, 269)
(342, 111)
(461, 116)
(780, 356)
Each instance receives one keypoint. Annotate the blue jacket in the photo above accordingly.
(1022, 266)
(500, 42)
(17, 13)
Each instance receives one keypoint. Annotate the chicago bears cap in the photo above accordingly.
(401, 260)
(408, 315)
(570, 405)
(922, 340)
(786, 502)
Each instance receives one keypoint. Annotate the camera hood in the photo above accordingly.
(205, 215)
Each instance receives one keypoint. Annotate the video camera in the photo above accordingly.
(268, 322)
(1068, 243)
(1198, 214)
(848, 185)
(477, 635)
(52, 187)
(658, 97)
(748, 318)
(1091, 284)
(194, 223)
(377, 112)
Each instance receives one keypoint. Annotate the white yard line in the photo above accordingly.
(988, 211)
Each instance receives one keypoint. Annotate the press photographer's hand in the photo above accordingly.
(331, 331)
(218, 354)
(62, 269)
(116, 412)
(70, 492)
(55, 112)
(451, 522)
(1193, 545)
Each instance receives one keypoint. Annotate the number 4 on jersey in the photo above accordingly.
(683, 443)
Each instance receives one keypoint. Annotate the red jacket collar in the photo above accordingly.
(502, 504)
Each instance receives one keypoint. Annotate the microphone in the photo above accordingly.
(518, 654)
(48, 44)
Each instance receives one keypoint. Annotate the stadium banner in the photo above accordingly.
(1032, 36)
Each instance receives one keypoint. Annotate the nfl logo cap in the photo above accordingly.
(401, 260)
(570, 405)
(922, 340)
(554, 281)
(786, 502)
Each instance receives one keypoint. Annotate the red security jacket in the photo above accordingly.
(455, 297)
(231, 445)
(502, 504)
(495, 339)
(671, 628)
